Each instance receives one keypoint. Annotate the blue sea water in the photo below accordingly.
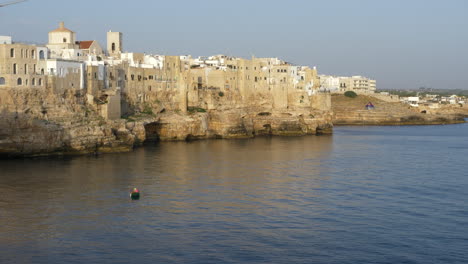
(362, 195)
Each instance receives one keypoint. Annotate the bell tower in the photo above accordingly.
(114, 43)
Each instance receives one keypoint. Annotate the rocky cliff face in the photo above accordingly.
(351, 111)
(238, 123)
(37, 122)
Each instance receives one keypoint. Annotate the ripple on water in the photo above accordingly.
(363, 195)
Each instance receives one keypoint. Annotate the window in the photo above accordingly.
(19, 81)
(42, 71)
(22, 53)
(25, 69)
(40, 81)
(41, 55)
(133, 77)
(34, 69)
(12, 53)
(33, 54)
(2, 81)
(15, 69)
(33, 81)
(64, 40)
(113, 47)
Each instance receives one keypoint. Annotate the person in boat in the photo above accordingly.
(135, 194)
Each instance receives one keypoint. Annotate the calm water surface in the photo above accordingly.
(363, 195)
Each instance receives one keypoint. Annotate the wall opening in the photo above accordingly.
(19, 81)
(2, 81)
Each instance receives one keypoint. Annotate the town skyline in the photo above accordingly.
(387, 52)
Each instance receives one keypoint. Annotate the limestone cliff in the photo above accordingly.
(36, 122)
(238, 123)
(39, 122)
(351, 111)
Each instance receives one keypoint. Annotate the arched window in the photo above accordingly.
(41, 55)
(2, 81)
(40, 81)
(64, 40)
(33, 81)
(12, 53)
(19, 81)
(42, 71)
(113, 47)
(25, 69)
(33, 54)
(15, 69)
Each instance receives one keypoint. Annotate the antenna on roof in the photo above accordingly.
(12, 3)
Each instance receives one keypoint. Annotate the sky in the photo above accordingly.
(403, 44)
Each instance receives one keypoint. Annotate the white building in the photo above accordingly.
(329, 82)
(5, 40)
(65, 68)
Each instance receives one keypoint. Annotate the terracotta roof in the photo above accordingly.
(85, 44)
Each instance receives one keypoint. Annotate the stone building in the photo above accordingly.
(357, 84)
(127, 83)
(60, 39)
(20, 66)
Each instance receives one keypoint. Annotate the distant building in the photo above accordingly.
(331, 83)
(5, 40)
(357, 84)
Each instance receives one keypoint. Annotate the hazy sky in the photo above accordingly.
(400, 43)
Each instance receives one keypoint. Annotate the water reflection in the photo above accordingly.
(363, 195)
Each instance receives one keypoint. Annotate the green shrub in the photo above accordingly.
(350, 94)
(196, 109)
(221, 94)
(147, 110)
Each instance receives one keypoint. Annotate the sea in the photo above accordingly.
(366, 194)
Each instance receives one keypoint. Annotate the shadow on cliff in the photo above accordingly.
(22, 134)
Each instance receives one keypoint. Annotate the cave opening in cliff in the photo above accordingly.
(152, 132)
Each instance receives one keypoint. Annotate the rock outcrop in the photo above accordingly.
(37, 122)
(351, 111)
(238, 123)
